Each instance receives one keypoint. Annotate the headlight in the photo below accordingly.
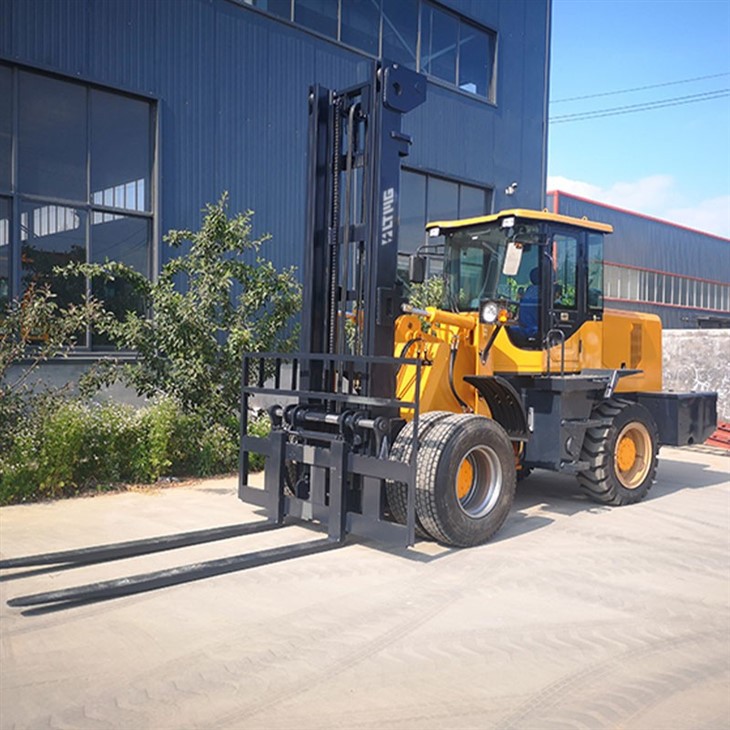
(490, 312)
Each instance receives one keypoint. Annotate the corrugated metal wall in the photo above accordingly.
(232, 88)
(648, 243)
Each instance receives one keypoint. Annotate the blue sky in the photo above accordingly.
(671, 162)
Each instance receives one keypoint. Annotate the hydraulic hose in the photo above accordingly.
(452, 361)
(408, 345)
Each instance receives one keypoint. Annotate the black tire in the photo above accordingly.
(466, 480)
(397, 492)
(622, 454)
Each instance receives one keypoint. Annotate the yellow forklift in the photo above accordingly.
(424, 419)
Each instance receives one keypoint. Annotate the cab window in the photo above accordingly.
(565, 266)
(595, 271)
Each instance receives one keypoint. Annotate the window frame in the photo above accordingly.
(460, 183)
(490, 97)
(19, 198)
(664, 288)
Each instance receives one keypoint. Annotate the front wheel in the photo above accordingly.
(466, 480)
(622, 454)
(397, 492)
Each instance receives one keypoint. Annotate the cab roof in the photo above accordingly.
(536, 215)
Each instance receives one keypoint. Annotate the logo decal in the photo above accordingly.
(386, 231)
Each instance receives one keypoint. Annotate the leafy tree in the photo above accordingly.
(35, 329)
(32, 331)
(209, 305)
(428, 294)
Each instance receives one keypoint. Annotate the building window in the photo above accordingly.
(654, 287)
(400, 32)
(425, 198)
(415, 33)
(81, 185)
(439, 43)
(319, 15)
(476, 55)
(4, 252)
(121, 151)
(6, 126)
(361, 25)
(281, 8)
(52, 137)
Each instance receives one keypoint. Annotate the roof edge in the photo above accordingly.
(562, 193)
(538, 215)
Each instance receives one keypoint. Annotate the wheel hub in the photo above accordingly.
(464, 479)
(633, 455)
(478, 482)
(626, 454)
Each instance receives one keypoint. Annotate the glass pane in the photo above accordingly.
(361, 24)
(412, 211)
(439, 34)
(476, 50)
(121, 155)
(472, 201)
(319, 15)
(4, 253)
(443, 200)
(595, 271)
(400, 31)
(50, 236)
(282, 8)
(52, 137)
(124, 239)
(6, 126)
(632, 276)
(565, 258)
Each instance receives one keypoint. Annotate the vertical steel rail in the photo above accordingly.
(243, 456)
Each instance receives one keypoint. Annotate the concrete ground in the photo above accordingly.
(577, 616)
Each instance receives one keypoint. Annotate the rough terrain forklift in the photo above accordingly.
(426, 418)
(395, 422)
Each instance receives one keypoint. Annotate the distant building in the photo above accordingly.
(678, 273)
(120, 120)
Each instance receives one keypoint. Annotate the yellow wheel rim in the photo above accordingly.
(464, 479)
(633, 456)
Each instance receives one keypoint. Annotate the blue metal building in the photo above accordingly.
(121, 119)
(680, 274)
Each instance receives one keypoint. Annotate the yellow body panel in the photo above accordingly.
(622, 340)
(633, 340)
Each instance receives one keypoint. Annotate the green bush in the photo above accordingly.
(68, 445)
(258, 426)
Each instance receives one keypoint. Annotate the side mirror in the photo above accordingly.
(417, 269)
(512, 258)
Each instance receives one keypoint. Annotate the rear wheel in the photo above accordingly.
(397, 492)
(622, 454)
(466, 480)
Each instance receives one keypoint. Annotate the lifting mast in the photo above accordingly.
(355, 150)
(331, 430)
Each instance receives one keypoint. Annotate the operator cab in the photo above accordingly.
(534, 272)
